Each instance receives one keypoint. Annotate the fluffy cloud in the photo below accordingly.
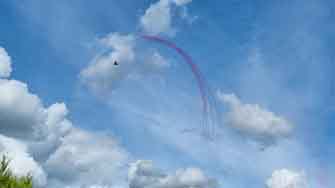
(254, 121)
(21, 161)
(83, 155)
(143, 174)
(286, 179)
(23, 116)
(42, 141)
(21, 113)
(53, 141)
(55, 127)
(158, 17)
(5, 64)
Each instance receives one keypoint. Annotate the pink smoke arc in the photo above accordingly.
(205, 93)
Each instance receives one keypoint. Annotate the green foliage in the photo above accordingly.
(8, 180)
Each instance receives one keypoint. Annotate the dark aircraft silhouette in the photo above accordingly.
(116, 63)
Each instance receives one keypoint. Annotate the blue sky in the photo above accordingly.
(274, 57)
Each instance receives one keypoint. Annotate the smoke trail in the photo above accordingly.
(208, 101)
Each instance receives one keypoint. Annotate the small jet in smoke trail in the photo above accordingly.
(116, 63)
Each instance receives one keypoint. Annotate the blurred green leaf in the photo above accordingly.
(9, 180)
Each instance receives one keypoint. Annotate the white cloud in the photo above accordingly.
(158, 17)
(21, 113)
(143, 174)
(55, 127)
(287, 179)
(51, 139)
(44, 142)
(21, 162)
(254, 121)
(5, 64)
(23, 116)
(56, 120)
(83, 155)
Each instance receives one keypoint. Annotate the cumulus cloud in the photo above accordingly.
(22, 163)
(23, 116)
(287, 179)
(42, 141)
(55, 127)
(158, 17)
(5, 64)
(43, 138)
(143, 174)
(21, 113)
(83, 155)
(254, 121)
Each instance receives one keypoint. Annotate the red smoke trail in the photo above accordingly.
(204, 91)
